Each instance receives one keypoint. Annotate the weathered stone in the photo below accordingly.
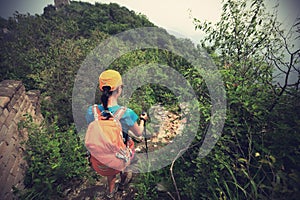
(3, 117)
(18, 103)
(21, 98)
(8, 185)
(12, 133)
(3, 145)
(11, 84)
(20, 92)
(61, 3)
(3, 177)
(9, 87)
(10, 105)
(14, 103)
(34, 97)
(7, 92)
(14, 169)
(22, 105)
(10, 117)
(5, 160)
(27, 105)
(18, 117)
(4, 101)
(3, 132)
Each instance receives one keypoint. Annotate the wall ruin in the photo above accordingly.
(14, 103)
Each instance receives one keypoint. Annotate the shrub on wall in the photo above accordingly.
(55, 160)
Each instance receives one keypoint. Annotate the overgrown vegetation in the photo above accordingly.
(45, 51)
(57, 161)
(257, 156)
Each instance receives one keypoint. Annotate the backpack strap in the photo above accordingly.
(119, 113)
(96, 112)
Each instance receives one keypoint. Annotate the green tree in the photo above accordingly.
(250, 161)
(45, 51)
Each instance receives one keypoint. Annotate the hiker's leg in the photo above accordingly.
(123, 177)
(111, 181)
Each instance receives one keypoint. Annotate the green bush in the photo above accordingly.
(55, 160)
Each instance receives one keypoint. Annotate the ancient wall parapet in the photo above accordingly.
(61, 3)
(14, 103)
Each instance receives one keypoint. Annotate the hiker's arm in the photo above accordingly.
(138, 129)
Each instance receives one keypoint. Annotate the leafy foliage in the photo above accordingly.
(257, 156)
(248, 161)
(55, 159)
(45, 51)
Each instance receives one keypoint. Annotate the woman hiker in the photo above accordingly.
(110, 83)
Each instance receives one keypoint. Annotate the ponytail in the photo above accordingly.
(105, 96)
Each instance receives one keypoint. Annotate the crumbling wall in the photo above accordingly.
(61, 3)
(14, 103)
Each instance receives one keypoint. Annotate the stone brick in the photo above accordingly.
(21, 98)
(3, 116)
(7, 166)
(10, 117)
(22, 105)
(30, 110)
(14, 103)
(15, 168)
(15, 139)
(9, 87)
(33, 94)
(3, 157)
(12, 131)
(3, 132)
(19, 180)
(9, 184)
(4, 171)
(26, 105)
(4, 101)
(7, 92)
(18, 103)
(20, 92)
(7, 155)
(11, 84)
(3, 146)
(18, 117)
(10, 107)
(2, 168)
(3, 179)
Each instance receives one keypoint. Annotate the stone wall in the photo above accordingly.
(14, 103)
(61, 3)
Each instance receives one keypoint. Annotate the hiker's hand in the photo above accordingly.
(144, 116)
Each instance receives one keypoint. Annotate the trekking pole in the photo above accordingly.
(145, 134)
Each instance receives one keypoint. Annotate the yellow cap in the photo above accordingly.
(110, 78)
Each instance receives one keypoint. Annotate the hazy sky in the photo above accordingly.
(173, 15)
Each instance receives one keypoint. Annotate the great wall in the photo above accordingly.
(15, 102)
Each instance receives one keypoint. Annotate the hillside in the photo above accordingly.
(74, 23)
(227, 130)
(45, 51)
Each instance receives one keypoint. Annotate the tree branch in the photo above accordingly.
(171, 171)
